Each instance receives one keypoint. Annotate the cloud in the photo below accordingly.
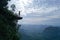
(41, 20)
(41, 10)
(38, 11)
(34, 6)
(54, 16)
(20, 5)
(32, 20)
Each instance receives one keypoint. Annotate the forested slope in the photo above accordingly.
(8, 29)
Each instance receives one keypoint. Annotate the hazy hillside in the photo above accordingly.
(35, 32)
(29, 32)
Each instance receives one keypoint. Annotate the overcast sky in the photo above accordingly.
(38, 12)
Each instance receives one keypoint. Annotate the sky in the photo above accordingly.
(37, 12)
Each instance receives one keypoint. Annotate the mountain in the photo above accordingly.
(51, 33)
(35, 32)
(31, 32)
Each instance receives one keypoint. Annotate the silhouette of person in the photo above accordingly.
(19, 13)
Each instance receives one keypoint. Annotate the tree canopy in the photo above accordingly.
(8, 29)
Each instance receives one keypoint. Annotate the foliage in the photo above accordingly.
(8, 29)
(13, 7)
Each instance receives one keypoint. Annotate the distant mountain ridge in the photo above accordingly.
(33, 32)
(29, 32)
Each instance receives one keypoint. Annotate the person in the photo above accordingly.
(19, 13)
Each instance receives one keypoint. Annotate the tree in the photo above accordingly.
(13, 7)
(8, 29)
